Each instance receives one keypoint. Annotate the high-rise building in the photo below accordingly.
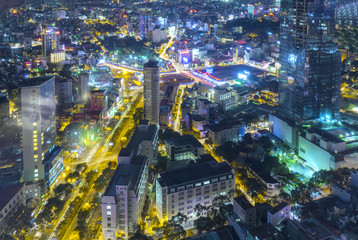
(38, 108)
(145, 22)
(310, 61)
(151, 91)
(84, 87)
(347, 12)
(50, 41)
(4, 106)
(123, 201)
(98, 101)
(64, 92)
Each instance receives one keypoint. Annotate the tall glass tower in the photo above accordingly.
(151, 91)
(310, 74)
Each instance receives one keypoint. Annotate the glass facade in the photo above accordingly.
(310, 72)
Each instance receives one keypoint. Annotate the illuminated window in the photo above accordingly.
(36, 179)
(35, 144)
(35, 136)
(35, 140)
(36, 156)
(108, 207)
(36, 170)
(34, 124)
(36, 175)
(35, 148)
(108, 213)
(35, 132)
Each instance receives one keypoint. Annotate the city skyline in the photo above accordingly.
(168, 120)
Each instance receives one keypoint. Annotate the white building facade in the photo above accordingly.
(181, 189)
(38, 106)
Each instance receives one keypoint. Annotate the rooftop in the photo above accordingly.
(265, 231)
(314, 228)
(151, 64)
(32, 82)
(143, 132)
(184, 141)
(265, 177)
(325, 134)
(243, 202)
(278, 208)
(7, 193)
(224, 233)
(197, 118)
(224, 124)
(205, 101)
(193, 173)
(126, 174)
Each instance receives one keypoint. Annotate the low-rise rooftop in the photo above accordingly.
(126, 174)
(194, 173)
(184, 141)
(278, 208)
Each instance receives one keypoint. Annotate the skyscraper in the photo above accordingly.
(84, 87)
(50, 41)
(38, 108)
(145, 22)
(310, 62)
(151, 91)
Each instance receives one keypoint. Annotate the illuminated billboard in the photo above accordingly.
(185, 57)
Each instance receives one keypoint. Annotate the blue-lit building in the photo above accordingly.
(310, 74)
(347, 12)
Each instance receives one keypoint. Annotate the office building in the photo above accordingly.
(84, 87)
(245, 210)
(320, 147)
(224, 98)
(38, 107)
(206, 109)
(12, 198)
(310, 74)
(64, 92)
(183, 148)
(272, 185)
(243, 217)
(144, 141)
(151, 91)
(278, 213)
(98, 101)
(347, 12)
(50, 41)
(123, 201)
(145, 22)
(179, 190)
(57, 56)
(159, 34)
(226, 130)
(4, 106)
